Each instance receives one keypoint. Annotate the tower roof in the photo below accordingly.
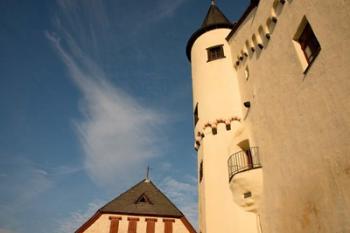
(214, 16)
(213, 20)
(142, 199)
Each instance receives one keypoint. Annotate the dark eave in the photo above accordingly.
(253, 4)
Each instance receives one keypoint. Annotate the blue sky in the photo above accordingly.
(91, 93)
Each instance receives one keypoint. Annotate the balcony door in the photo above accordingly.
(249, 157)
(244, 145)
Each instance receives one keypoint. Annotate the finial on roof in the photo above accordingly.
(147, 174)
(213, 2)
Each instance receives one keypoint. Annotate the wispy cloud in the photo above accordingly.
(2, 230)
(78, 218)
(67, 170)
(167, 8)
(20, 188)
(182, 193)
(118, 134)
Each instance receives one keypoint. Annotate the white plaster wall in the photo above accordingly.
(222, 213)
(219, 215)
(201, 189)
(301, 122)
(215, 86)
(248, 181)
(102, 224)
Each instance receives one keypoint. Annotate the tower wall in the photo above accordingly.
(215, 90)
(215, 87)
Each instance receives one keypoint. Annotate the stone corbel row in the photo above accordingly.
(213, 128)
(261, 37)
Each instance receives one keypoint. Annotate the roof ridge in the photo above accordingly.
(167, 198)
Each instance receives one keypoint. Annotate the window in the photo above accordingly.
(309, 43)
(215, 52)
(201, 171)
(150, 227)
(143, 199)
(306, 44)
(195, 115)
(132, 226)
(114, 224)
(249, 158)
(168, 225)
(244, 145)
(247, 194)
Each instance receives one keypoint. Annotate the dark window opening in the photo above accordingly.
(215, 52)
(143, 199)
(248, 153)
(309, 43)
(201, 171)
(249, 157)
(195, 113)
(247, 194)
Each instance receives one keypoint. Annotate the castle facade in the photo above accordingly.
(271, 104)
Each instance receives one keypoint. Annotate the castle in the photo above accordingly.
(271, 104)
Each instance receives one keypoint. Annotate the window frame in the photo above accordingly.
(305, 38)
(214, 54)
(308, 40)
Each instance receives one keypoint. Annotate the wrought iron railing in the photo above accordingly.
(243, 161)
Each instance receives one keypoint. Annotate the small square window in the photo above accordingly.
(215, 52)
(247, 194)
(307, 46)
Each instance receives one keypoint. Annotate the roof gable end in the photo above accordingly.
(142, 199)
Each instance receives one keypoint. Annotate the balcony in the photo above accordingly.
(243, 161)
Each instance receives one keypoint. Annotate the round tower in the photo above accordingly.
(217, 110)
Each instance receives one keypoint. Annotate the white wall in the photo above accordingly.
(102, 224)
(301, 121)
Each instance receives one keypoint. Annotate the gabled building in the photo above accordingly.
(142, 209)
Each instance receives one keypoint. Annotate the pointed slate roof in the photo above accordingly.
(213, 20)
(142, 199)
(214, 16)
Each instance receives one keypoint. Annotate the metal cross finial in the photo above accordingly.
(147, 173)
(212, 2)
